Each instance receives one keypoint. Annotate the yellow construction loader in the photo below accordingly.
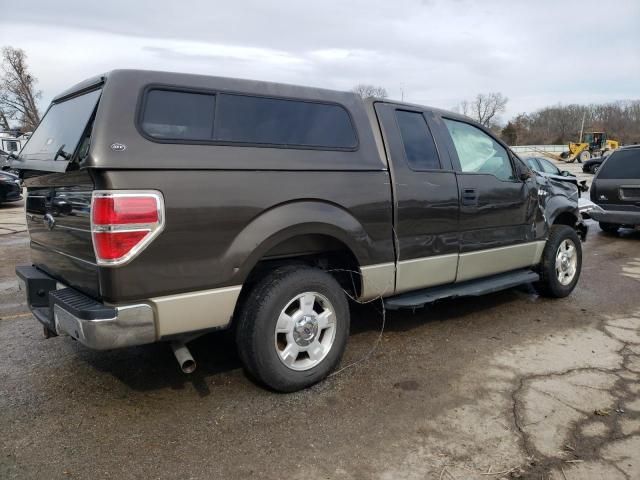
(593, 144)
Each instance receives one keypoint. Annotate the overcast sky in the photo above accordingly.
(437, 52)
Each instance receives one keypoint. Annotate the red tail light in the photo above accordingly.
(123, 223)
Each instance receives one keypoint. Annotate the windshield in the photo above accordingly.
(61, 128)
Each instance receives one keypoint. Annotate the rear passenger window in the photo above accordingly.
(478, 152)
(419, 147)
(178, 115)
(275, 121)
(621, 165)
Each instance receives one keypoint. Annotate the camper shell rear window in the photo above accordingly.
(60, 130)
(180, 116)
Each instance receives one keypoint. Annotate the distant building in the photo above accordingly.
(12, 141)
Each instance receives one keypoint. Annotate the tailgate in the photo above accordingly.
(58, 219)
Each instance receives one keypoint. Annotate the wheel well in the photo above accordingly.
(319, 251)
(566, 218)
(570, 220)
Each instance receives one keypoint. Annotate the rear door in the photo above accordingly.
(59, 193)
(497, 208)
(426, 199)
(617, 184)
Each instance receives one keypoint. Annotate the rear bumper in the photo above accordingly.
(66, 311)
(615, 216)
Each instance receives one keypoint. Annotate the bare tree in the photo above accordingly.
(4, 121)
(366, 90)
(18, 96)
(485, 108)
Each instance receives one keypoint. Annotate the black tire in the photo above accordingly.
(549, 285)
(609, 227)
(258, 317)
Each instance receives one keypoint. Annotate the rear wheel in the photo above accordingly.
(293, 328)
(609, 227)
(561, 263)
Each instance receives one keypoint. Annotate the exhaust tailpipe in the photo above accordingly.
(183, 356)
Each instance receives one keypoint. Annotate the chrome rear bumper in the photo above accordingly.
(66, 311)
(131, 325)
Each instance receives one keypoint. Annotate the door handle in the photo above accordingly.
(469, 197)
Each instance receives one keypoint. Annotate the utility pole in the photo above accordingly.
(584, 114)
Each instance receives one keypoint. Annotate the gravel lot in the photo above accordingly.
(508, 385)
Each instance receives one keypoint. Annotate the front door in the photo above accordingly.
(497, 208)
(425, 196)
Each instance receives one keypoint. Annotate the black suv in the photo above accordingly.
(162, 206)
(616, 190)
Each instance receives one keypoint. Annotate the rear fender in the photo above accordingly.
(285, 221)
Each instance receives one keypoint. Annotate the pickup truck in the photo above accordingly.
(162, 206)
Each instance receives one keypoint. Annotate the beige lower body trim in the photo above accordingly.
(497, 260)
(378, 280)
(188, 312)
(426, 272)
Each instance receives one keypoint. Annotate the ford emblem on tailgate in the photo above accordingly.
(49, 221)
(118, 147)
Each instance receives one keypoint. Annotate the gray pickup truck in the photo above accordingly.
(162, 206)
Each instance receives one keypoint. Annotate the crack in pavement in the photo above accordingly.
(599, 448)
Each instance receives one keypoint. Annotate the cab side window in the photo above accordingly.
(478, 152)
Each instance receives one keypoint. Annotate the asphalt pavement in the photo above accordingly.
(510, 385)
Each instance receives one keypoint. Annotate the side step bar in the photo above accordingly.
(470, 288)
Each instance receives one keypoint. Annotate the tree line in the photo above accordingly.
(561, 124)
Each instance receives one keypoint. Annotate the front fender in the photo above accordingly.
(557, 205)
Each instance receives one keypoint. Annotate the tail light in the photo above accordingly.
(123, 223)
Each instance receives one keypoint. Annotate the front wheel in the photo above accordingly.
(561, 263)
(293, 327)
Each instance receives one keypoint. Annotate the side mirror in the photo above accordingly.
(525, 175)
(583, 186)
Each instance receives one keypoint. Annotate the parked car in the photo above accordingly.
(547, 169)
(204, 203)
(616, 190)
(593, 165)
(10, 188)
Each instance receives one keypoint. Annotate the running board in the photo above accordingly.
(470, 288)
